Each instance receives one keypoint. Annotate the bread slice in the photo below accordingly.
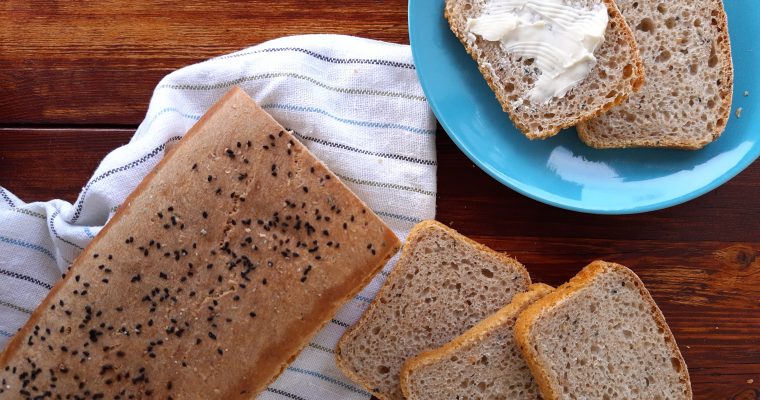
(617, 74)
(443, 284)
(209, 279)
(686, 100)
(482, 363)
(601, 336)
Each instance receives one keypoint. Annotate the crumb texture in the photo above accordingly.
(443, 285)
(217, 270)
(483, 363)
(607, 340)
(616, 75)
(686, 99)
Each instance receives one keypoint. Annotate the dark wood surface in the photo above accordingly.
(75, 80)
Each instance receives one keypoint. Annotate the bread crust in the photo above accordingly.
(666, 141)
(526, 320)
(636, 83)
(247, 380)
(18, 338)
(474, 334)
(405, 253)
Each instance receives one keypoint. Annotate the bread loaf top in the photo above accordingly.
(210, 278)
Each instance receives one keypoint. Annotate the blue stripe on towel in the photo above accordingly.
(368, 124)
(322, 57)
(27, 245)
(284, 394)
(6, 334)
(398, 216)
(6, 198)
(329, 379)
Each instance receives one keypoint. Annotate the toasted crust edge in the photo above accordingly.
(636, 85)
(534, 292)
(727, 67)
(524, 323)
(406, 252)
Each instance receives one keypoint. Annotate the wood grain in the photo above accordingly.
(97, 62)
(76, 79)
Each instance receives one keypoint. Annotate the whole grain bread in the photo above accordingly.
(443, 284)
(618, 73)
(210, 278)
(482, 363)
(601, 336)
(686, 100)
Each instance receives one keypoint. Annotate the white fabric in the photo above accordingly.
(355, 103)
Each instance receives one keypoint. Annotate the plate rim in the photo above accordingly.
(747, 160)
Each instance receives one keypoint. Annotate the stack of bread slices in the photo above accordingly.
(662, 76)
(457, 320)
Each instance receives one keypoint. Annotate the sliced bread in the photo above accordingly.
(601, 336)
(443, 284)
(617, 74)
(482, 363)
(686, 100)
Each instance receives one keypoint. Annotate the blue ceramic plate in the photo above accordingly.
(562, 171)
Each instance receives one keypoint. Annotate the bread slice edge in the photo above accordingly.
(526, 320)
(728, 71)
(476, 333)
(406, 250)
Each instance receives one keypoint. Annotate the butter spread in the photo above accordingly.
(559, 37)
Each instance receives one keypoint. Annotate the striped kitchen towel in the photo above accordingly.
(353, 102)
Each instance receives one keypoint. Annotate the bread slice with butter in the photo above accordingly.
(482, 363)
(545, 59)
(686, 101)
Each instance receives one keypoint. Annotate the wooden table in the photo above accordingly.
(76, 77)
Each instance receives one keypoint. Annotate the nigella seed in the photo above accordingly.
(239, 145)
(230, 153)
(209, 178)
(205, 214)
(220, 351)
(242, 176)
(167, 226)
(218, 190)
(171, 209)
(212, 336)
(305, 189)
(252, 314)
(95, 255)
(194, 167)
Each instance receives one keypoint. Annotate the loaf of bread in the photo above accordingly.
(617, 74)
(209, 279)
(482, 363)
(686, 100)
(601, 336)
(443, 284)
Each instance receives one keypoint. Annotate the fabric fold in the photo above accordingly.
(355, 103)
